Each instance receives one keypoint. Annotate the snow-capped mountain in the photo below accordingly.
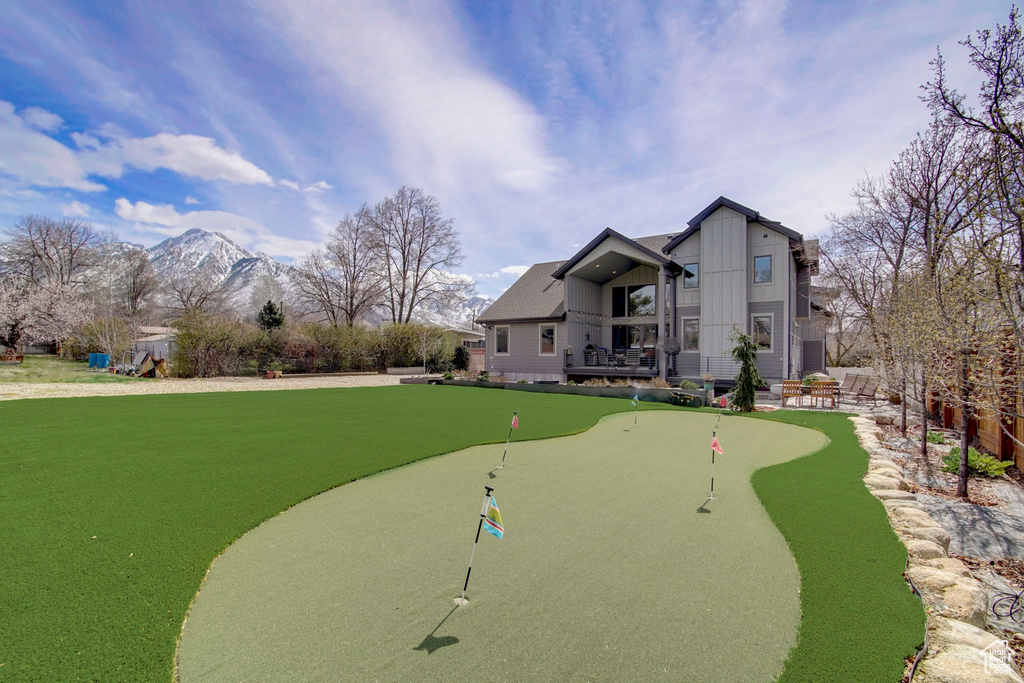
(241, 272)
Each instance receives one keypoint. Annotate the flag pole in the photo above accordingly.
(483, 512)
(714, 437)
(501, 465)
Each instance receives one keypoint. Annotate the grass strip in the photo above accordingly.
(114, 507)
(860, 620)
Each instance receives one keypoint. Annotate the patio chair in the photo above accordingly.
(858, 384)
(848, 382)
(633, 357)
(823, 392)
(868, 391)
(792, 388)
(602, 358)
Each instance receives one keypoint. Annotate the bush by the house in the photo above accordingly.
(460, 359)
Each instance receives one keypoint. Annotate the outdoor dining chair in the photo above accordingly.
(792, 388)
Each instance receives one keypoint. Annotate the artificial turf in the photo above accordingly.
(113, 508)
(614, 566)
(860, 620)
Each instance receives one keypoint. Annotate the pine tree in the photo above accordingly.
(461, 358)
(269, 317)
(748, 379)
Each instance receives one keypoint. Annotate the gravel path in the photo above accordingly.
(19, 390)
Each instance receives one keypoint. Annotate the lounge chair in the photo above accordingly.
(858, 384)
(868, 391)
(848, 383)
(792, 388)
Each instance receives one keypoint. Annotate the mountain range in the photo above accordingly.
(245, 274)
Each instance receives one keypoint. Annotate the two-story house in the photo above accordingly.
(665, 305)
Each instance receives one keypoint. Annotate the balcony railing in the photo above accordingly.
(642, 360)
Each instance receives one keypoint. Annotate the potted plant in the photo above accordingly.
(709, 380)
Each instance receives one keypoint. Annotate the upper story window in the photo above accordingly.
(633, 301)
(691, 273)
(762, 269)
(501, 339)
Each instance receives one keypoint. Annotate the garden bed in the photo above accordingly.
(679, 396)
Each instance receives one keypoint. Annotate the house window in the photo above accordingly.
(762, 269)
(691, 272)
(763, 332)
(501, 339)
(633, 301)
(634, 337)
(691, 334)
(547, 340)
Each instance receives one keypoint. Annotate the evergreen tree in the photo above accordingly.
(461, 358)
(748, 379)
(270, 317)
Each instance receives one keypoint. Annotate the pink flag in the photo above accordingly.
(715, 446)
(515, 422)
(722, 402)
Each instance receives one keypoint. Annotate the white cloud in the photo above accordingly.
(191, 155)
(40, 119)
(37, 159)
(191, 200)
(319, 186)
(290, 184)
(408, 68)
(164, 219)
(507, 270)
(74, 208)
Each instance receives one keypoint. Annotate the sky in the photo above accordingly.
(535, 124)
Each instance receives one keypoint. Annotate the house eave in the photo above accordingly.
(602, 236)
(507, 321)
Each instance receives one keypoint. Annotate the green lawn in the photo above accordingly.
(37, 369)
(114, 508)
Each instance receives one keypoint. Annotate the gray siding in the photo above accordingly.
(687, 362)
(813, 356)
(769, 363)
(524, 360)
(803, 294)
(724, 264)
(583, 305)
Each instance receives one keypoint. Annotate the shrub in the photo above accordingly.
(499, 378)
(484, 376)
(449, 375)
(748, 379)
(522, 381)
(688, 385)
(596, 382)
(939, 438)
(977, 463)
(619, 382)
(657, 383)
(570, 383)
(207, 346)
(460, 358)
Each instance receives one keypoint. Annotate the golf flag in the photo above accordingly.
(636, 399)
(715, 446)
(723, 402)
(515, 421)
(492, 520)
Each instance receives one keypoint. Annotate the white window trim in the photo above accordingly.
(771, 267)
(554, 338)
(682, 326)
(496, 351)
(771, 348)
(691, 263)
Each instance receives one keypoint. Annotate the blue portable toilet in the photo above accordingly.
(92, 360)
(102, 360)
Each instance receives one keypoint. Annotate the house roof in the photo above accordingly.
(752, 217)
(536, 295)
(154, 338)
(601, 237)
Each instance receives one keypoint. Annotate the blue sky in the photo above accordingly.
(536, 124)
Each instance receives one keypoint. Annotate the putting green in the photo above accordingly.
(610, 568)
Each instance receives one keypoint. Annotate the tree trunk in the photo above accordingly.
(903, 405)
(965, 396)
(924, 417)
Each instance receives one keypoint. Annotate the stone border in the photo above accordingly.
(956, 604)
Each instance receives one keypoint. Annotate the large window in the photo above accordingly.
(547, 340)
(633, 301)
(501, 339)
(763, 331)
(762, 269)
(691, 273)
(634, 337)
(691, 334)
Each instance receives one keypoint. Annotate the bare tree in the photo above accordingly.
(265, 289)
(196, 292)
(135, 285)
(350, 249)
(60, 252)
(416, 246)
(317, 287)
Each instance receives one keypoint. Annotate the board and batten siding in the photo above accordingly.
(766, 242)
(769, 363)
(687, 362)
(688, 252)
(813, 356)
(524, 360)
(611, 244)
(582, 297)
(723, 291)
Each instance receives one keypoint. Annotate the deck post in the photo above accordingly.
(659, 300)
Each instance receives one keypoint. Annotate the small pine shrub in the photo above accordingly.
(939, 438)
(977, 463)
(688, 385)
(570, 383)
